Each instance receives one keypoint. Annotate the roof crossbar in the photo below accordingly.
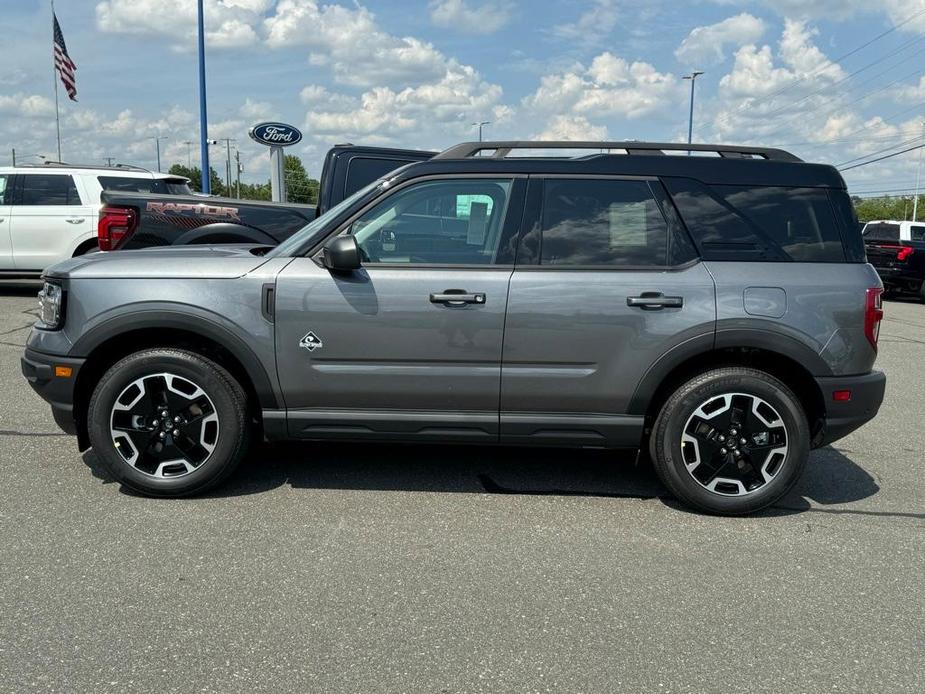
(501, 149)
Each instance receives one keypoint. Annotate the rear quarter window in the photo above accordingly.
(759, 223)
(48, 189)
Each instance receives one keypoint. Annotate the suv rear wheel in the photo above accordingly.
(168, 422)
(730, 441)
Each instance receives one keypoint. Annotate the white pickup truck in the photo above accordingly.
(48, 212)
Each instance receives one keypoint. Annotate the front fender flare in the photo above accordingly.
(190, 319)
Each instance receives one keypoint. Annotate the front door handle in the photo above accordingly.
(654, 301)
(75, 220)
(457, 297)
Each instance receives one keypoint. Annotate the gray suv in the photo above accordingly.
(715, 311)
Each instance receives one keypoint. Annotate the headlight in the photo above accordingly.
(51, 305)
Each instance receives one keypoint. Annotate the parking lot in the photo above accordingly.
(348, 568)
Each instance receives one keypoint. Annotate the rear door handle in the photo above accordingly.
(654, 301)
(457, 297)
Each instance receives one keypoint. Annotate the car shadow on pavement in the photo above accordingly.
(20, 288)
(831, 477)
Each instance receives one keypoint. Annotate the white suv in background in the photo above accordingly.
(48, 212)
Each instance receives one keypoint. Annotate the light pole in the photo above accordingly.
(157, 146)
(237, 160)
(479, 125)
(227, 141)
(189, 155)
(205, 182)
(918, 175)
(690, 121)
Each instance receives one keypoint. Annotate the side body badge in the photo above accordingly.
(311, 342)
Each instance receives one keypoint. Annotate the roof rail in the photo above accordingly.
(64, 165)
(501, 149)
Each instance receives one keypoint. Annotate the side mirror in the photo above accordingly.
(341, 254)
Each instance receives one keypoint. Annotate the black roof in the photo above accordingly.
(730, 165)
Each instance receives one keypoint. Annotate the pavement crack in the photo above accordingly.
(16, 330)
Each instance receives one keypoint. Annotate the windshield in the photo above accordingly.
(305, 234)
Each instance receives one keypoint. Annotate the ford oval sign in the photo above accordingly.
(275, 134)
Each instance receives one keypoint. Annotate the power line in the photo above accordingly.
(840, 58)
(843, 79)
(880, 151)
(862, 97)
(904, 111)
(888, 156)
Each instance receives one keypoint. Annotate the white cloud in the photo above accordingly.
(427, 110)
(803, 65)
(257, 110)
(705, 45)
(610, 86)
(486, 18)
(897, 11)
(229, 23)
(592, 25)
(350, 42)
(26, 105)
(572, 128)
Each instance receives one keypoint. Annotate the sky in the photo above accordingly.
(835, 81)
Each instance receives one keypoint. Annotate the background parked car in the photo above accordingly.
(49, 212)
(897, 250)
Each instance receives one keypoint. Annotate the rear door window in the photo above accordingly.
(918, 233)
(48, 189)
(882, 232)
(4, 180)
(604, 222)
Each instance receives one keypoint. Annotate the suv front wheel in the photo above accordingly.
(730, 441)
(168, 422)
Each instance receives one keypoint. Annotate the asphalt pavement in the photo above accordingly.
(373, 569)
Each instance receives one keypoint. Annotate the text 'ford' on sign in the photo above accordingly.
(275, 134)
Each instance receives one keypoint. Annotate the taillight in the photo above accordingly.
(873, 314)
(904, 253)
(114, 225)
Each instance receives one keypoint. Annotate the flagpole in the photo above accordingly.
(54, 78)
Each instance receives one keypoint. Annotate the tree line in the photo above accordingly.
(300, 188)
(887, 207)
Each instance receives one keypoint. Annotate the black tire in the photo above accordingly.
(671, 454)
(87, 247)
(229, 437)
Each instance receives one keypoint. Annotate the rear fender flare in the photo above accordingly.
(704, 345)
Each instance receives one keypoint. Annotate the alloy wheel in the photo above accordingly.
(164, 425)
(734, 444)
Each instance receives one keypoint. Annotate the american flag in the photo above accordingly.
(63, 63)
